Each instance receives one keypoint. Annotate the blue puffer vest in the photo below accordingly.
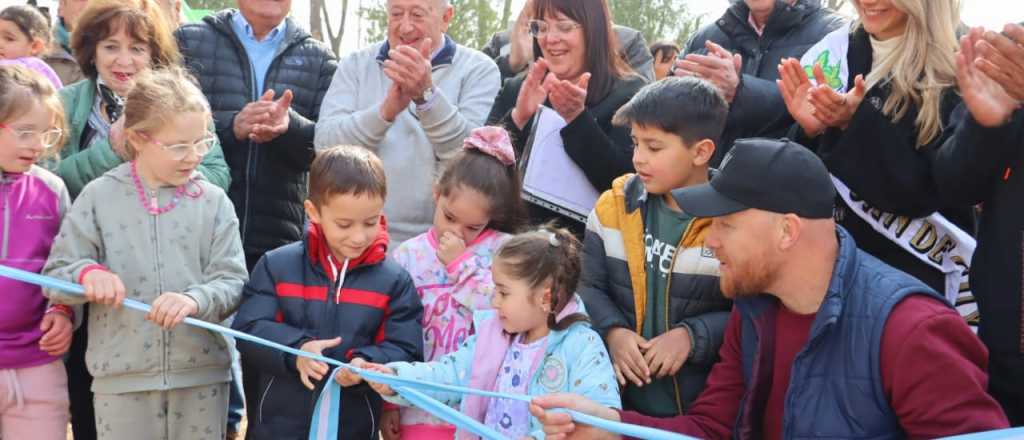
(835, 388)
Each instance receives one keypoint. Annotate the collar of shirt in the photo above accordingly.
(241, 24)
(442, 55)
(753, 23)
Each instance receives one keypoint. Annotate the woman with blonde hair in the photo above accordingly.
(882, 103)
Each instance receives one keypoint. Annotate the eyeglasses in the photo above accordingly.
(48, 138)
(181, 151)
(540, 28)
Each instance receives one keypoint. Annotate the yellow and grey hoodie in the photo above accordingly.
(614, 284)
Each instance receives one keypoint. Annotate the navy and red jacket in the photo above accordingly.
(298, 293)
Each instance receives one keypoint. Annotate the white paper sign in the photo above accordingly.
(552, 180)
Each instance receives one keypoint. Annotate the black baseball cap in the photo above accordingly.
(776, 175)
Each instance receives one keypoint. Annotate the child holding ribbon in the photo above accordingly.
(477, 206)
(33, 336)
(155, 230)
(536, 340)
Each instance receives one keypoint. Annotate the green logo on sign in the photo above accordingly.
(831, 70)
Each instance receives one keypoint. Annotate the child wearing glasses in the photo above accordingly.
(33, 335)
(155, 230)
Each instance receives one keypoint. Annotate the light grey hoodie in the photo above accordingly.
(415, 146)
(193, 249)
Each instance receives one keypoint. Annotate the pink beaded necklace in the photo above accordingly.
(151, 205)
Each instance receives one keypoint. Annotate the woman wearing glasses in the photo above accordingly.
(580, 76)
(115, 41)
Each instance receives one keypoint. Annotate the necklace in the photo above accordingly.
(152, 206)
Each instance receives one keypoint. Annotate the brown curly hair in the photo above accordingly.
(548, 256)
(143, 20)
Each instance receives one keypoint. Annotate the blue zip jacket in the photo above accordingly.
(574, 361)
(837, 376)
(298, 293)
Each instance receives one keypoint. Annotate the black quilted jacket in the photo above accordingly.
(268, 181)
(758, 109)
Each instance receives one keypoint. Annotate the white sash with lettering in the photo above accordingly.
(934, 240)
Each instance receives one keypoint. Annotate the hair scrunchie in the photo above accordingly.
(493, 141)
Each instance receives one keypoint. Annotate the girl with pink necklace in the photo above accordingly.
(155, 230)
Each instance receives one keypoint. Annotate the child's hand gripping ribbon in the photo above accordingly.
(325, 419)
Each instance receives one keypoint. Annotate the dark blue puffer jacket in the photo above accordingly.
(268, 181)
(837, 376)
(293, 297)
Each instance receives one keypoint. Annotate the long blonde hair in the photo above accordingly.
(922, 66)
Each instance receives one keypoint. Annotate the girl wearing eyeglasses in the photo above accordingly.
(33, 335)
(154, 229)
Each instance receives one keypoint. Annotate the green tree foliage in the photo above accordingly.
(476, 20)
(656, 19)
(214, 5)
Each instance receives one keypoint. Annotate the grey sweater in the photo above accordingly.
(194, 249)
(414, 146)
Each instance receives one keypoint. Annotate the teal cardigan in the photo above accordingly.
(79, 167)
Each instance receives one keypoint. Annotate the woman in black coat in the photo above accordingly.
(579, 76)
(879, 137)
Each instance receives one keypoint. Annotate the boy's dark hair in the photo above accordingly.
(547, 254)
(664, 51)
(687, 107)
(29, 21)
(498, 182)
(346, 169)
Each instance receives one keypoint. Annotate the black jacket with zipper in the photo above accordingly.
(602, 150)
(758, 109)
(615, 290)
(986, 165)
(881, 163)
(300, 292)
(268, 181)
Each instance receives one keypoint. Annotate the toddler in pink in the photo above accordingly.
(477, 207)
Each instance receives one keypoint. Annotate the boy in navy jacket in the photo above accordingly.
(334, 293)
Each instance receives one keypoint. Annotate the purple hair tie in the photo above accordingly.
(493, 141)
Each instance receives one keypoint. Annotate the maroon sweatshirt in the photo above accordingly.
(933, 373)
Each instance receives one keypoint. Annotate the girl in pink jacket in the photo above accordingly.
(477, 205)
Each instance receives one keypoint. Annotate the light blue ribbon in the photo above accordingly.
(408, 388)
(1001, 434)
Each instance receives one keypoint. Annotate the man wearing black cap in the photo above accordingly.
(824, 340)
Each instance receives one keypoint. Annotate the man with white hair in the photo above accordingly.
(411, 99)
